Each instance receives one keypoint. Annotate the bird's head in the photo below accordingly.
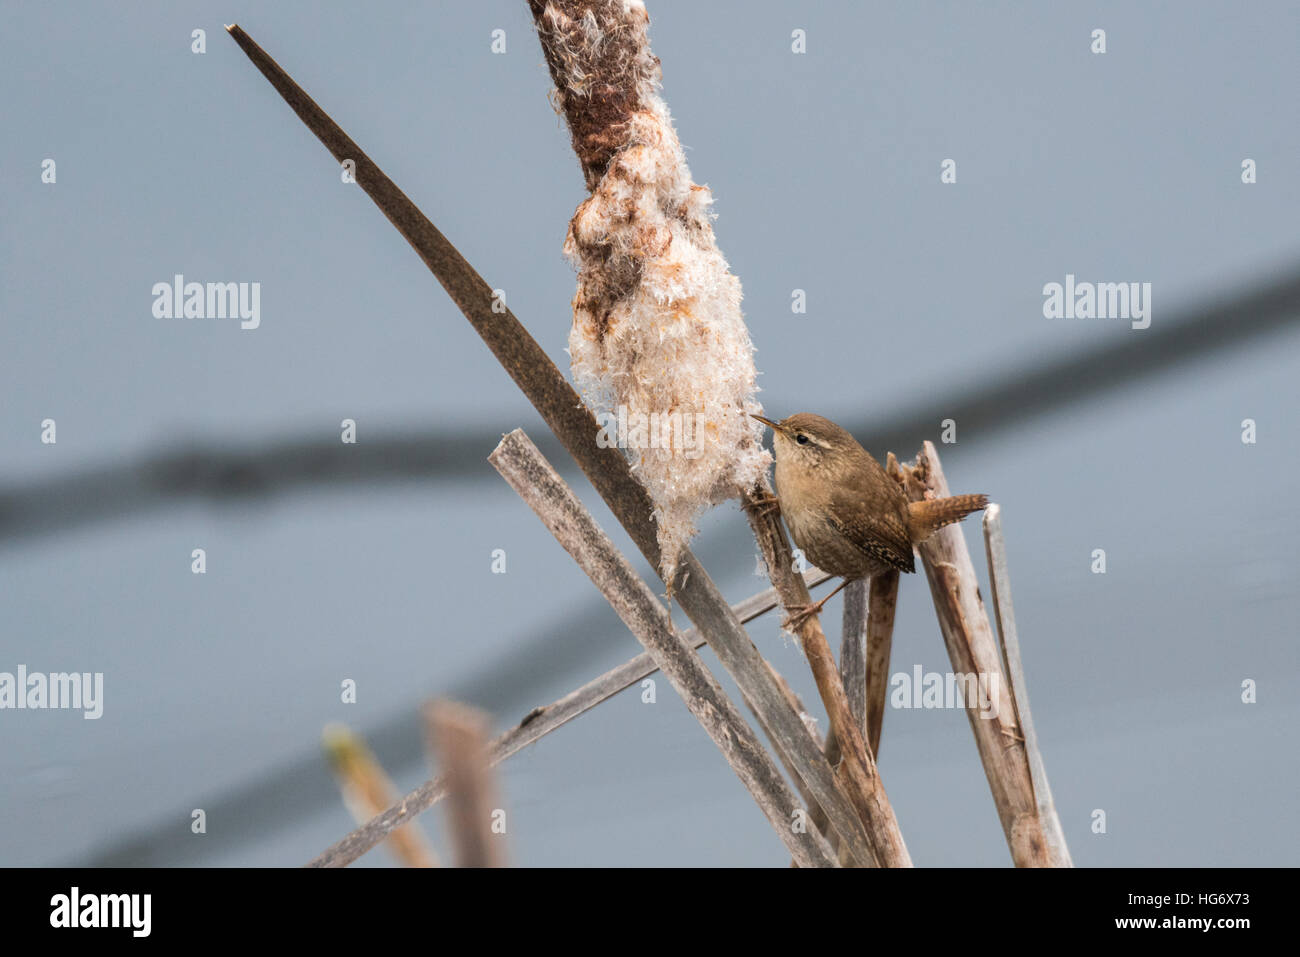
(807, 439)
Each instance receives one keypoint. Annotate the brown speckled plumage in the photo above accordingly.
(843, 511)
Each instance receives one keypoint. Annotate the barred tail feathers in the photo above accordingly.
(928, 517)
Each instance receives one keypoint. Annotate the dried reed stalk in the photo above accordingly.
(1000, 582)
(538, 484)
(881, 604)
(367, 790)
(457, 736)
(857, 770)
(866, 635)
(972, 649)
(853, 650)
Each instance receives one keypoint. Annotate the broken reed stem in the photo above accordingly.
(882, 601)
(367, 790)
(857, 771)
(867, 631)
(853, 658)
(973, 650)
(853, 666)
(457, 736)
(853, 650)
(574, 425)
(535, 725)
(875, 617)
(537, 483)
(995, 549)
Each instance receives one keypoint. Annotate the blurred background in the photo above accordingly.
(373, 561)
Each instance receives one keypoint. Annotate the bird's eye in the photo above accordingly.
(801, 439)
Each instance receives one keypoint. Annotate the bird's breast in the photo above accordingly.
(807, 516)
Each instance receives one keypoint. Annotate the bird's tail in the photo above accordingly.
(929, 516)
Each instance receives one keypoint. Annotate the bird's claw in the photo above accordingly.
(801, 613)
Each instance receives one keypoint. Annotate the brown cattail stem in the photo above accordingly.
(973, 650)
(1000, 583)
(857, 771)
(882, 601)
(537, 483)
(853, 650)
(868, 630)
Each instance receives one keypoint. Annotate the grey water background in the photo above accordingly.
(825, 170)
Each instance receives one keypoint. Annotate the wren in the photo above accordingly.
(843, 510)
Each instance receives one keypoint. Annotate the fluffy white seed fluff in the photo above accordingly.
(657, 322)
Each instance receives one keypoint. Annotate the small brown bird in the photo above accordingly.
(843, 510)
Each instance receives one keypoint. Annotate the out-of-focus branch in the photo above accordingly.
(1229, 318)
(367, 790)
(457, 737)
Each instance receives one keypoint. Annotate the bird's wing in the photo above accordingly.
(880, 533)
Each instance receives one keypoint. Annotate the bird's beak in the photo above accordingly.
(775, 426)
